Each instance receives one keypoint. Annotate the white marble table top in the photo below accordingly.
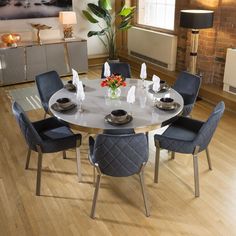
(97, 105)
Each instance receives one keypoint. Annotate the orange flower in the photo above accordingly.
(113, 81)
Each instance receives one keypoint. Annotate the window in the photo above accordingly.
(157, 13)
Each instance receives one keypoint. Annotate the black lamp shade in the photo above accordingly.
(196, 19)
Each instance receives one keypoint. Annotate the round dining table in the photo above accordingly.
(97, 105)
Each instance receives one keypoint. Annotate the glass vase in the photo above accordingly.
(113, 93)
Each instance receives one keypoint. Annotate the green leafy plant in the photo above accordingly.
(102, 15)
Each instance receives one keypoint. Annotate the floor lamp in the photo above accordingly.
(195, 20)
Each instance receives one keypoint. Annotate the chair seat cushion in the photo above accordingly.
(55, 135)
(180, 135)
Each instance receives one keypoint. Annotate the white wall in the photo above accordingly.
(95, 47)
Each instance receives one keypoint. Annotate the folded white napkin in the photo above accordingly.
(80, 95)
(131, 95)
(143, 72)
(107, 70)
(156, 83)
(75, 77)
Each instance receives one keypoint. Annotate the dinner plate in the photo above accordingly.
(164, 89)
(109, 120)
(162, 106)
(58, 108)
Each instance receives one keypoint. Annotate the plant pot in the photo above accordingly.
(113, 93)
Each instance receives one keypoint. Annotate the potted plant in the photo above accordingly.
(106, 20)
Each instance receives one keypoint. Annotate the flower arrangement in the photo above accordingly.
(113, 82)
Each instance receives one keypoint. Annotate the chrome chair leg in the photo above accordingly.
(196, 174)
(144, 192)
(172, 155)
(28, 159)
(95, 196)
(94, 180)
(39, 170)
(147, 137)
(78, 162)
(208, 159)
(157, 160)
(64, 154)
(45, 115)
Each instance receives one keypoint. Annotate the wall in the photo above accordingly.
(95, 47)
(213, 43)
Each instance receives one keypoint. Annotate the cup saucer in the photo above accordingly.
(163, 106)
(58, 108)
(110, 120)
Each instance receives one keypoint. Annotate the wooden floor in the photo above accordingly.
(64, 207)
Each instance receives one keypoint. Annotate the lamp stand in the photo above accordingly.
(68, 32)
(193, 51)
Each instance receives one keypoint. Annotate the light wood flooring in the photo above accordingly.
(64, 206)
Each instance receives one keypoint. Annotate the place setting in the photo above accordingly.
(120, 116)
(63, 105)
(167, 104)
(71, 85)
(158, 85)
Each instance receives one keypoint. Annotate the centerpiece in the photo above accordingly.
(113, 82)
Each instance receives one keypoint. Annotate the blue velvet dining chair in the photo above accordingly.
(46, 136)
(120, 68)
(118, 156)
(186, 135)
(48, 83)
(188, 86)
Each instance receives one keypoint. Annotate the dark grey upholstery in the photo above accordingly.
(119, 155)
(189, 136)
(120, 68)
(185, 134)
(50, 134)
(48, 83)
(45, 136)
(119, 131)
(188, 86)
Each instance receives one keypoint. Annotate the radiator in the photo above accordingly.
(155, 47)
(230, 71)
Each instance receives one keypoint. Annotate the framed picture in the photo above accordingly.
(23, 9)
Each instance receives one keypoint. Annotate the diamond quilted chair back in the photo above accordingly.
(120, 155)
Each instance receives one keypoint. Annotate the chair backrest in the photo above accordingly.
(207, 130)
(188, 86)
(120, 68)
(120, 155)
(48, 83)
(30, 134)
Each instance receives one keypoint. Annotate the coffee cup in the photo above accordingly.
(119, 115)
(63, 102)
(167, 102)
